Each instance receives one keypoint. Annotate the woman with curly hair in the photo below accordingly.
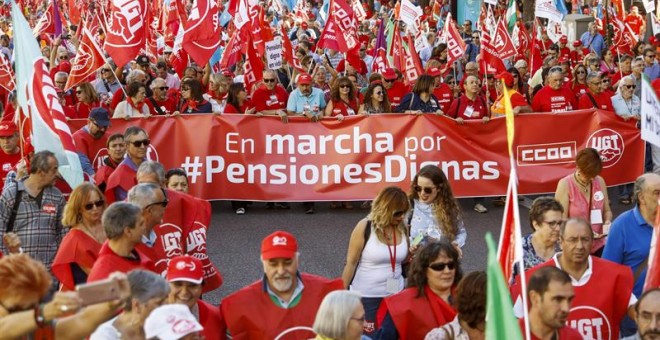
(434, 213)
(343, 99)
(375, 100)
(426, 303)
(376, 251)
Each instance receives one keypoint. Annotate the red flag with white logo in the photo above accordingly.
(126, 30)
(254, 67)
(232, 53)
(653, 272)
(340, 32)
(6, 74)
(287, 51)
(455, 44)
(490, 61)
(524, 39)
(201, 35)
(380, 63)
(398, 53)
(87, 61)
(502, 42)
(412, 64)
(179, 57)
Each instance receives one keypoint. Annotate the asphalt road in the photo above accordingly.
(234, 241)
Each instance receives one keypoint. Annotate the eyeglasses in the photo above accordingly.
(554, 224)
(64, 57)
(185, 89)
(387, 80)
(630, 86)
(162, 203)
(580, 72)
(269, 80)
(91, 205)
(378, 93)
(650, 56)
(78, 92)
(140, 143)
(343, 86)
(427, 190)
(106, 70)
(398, 214)
(471, 69)
(438, 267)
(475, 37)
(605, 81)
(163, 88)
(596, 83)
(451, 82)
(361, 50)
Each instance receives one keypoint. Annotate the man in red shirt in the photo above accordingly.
(283, 299)
(442, 91)
(603, 289)
(563, 49)
(124, 228)
(625, 69)
(89, 140)
(11, 153)
(396, 90)
(635, 21)
(595, 98)
(123, 178)
(550, 294)
(160, 103)
(471, 105)
(186, 277)
(554, 97)
(271, 98)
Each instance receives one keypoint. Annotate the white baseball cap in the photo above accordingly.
(171, 322)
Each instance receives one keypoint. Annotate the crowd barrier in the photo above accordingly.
(243, 157)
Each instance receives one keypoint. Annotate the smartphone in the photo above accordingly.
(417, 240)
(97, 292)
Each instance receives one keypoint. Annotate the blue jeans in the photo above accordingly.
(625, 190)
(370, 308)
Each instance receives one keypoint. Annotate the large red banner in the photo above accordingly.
(260, 158)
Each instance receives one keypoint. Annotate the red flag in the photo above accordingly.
(254, 67)
(397, 50)
(126, 30)
(179, 57)
(340, 32)
(74, 11)
(232, 52)
(6, 74)
(524, 39)
(490, 61)
(455, 44)
(380, 60)
(502, 42)
(331, 36)
(201, 35)
(287, 51)
(653, 271)
(259, 28)
(88, 60)
(47, 22)
(412, 64)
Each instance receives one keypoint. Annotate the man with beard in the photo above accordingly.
(160, 103)
(11, 153)
(124, 177)
(306, 100)
(550, 294)
(647, 316)
(89, 139)
(283, 299)
(603, 289)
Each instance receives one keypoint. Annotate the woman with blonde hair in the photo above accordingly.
(340, 317)
(87, 100)
(377, 250)
(80, 247)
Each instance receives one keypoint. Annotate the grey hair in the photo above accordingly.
(622, 80)
(119, 216)
(134, 74)
(335, 313)
(40, 161)
(61, 74)
(640, 185)
(593, 75)
(273, 72)
(151, 167)
(155, 81)
(146, 285)
(133, 130)
(143, 194)
(578, 220)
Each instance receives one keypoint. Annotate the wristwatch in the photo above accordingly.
(39, 318)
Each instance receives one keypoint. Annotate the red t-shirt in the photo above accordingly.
(93, 148)
(265, 99)
(8, 164)
(465, 108)
(603, 102)
(340, 107)
(82, 109)
(444, 95)
(579, 89)
(635, 22)
(564, 333)
(550, 100)
(168, 106)
(396, 93)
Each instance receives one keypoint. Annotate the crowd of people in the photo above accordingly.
(134, 225)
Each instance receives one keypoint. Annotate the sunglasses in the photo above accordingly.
(343, 86)
(78, 92)
(605, 81)
(427, 190)
(106, 70)
(398, 214)
(451, 82)
(378, 93)
(438, 267)
(64, 57)
(650, 56)
(91, 205)
(630, 86)
(269, 80)
(162, 203)
(139, 143)
(185, 89)
(163, 88)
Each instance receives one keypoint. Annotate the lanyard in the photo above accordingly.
(393, 253)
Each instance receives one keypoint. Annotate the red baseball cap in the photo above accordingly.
(185, 268)
(279, 244)
(577, 43)
(304, 25)
(7, 129)
(434, 72)
(390, 74)
(304, 79)
(563, 39)
(507, 77)
(564, 59)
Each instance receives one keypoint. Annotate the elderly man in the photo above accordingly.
(69, 95)
(125, 228)
(594, 98)
(32, 208)
(592, 40)
(283, 299)
(152, 200)
(186, 277)
(11, 153)
(647, 316)
(271, 98)
(523, 68)
(160, 103)
(637, 66)
(554, 97)
(123, 178)
(106, 84)
(181, 229)
(89, 140)
(595, 316)
(550, 295)
(629, 242)
(306, 100)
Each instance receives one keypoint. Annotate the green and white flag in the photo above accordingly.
(511, 15)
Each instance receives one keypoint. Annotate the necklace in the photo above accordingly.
(89, 231)
(583, 186)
